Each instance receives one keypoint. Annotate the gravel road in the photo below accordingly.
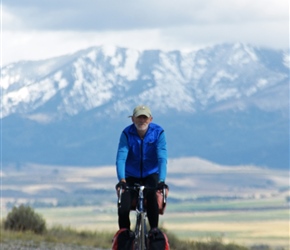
(20, 245)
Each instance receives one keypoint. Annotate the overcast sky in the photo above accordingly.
(38, 29)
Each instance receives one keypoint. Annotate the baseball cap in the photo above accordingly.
(141, 110)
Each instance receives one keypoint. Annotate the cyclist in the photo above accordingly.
(141, 158)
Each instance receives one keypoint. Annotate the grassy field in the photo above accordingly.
(246, 205)
(66, 238)
(247, 222)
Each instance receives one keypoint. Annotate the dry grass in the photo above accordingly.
(241, 227)
(258, 216)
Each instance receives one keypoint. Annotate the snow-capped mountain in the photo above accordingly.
(85, 96)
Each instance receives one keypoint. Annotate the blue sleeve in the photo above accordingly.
(122, 156)
(162, 156)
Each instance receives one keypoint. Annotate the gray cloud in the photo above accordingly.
(65, 26)
(94, 15)
(99, 15)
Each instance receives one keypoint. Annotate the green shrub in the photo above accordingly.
(24, 218)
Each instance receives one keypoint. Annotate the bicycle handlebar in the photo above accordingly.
(137, 187)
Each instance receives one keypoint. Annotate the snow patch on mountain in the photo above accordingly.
(85, 92)
(119, 78)
(222, 75)
(7, 80)
(129, 69)
(109, 50)
(28, 97)
(41, 118)
(60, 80)
(242, 54)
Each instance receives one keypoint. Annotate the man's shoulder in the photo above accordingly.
(155, 126)
(129, 128)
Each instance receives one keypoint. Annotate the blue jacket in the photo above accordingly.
(140, 158)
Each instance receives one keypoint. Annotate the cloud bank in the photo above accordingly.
(33, 29)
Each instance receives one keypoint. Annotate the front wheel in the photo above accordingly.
(140, 233)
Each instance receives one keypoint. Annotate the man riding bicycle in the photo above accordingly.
(141, 158)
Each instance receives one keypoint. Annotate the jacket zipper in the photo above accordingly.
(141, 163)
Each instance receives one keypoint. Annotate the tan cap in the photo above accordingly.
(141, 110)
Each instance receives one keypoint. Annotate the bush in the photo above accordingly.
(24, 218)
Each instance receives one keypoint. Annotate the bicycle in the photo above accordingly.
(140, 231)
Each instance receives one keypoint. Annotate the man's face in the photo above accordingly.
(141, 122)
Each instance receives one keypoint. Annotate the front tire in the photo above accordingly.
(143, 232)
(140, 233)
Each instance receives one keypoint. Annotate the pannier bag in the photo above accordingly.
(123, 240)
(160, 200)
(157, 240)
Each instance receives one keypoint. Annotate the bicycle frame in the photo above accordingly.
(140, 230)
(140, 227)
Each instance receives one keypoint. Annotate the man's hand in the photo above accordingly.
(161, 185)
(122, 184)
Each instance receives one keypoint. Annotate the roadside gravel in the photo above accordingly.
(30, 245)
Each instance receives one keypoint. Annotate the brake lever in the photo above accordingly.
(164, 195)
(120, 194)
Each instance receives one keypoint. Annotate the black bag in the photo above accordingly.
(123, 240)
(157, 240)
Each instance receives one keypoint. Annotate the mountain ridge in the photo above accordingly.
(97, 77)
(74, 107)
